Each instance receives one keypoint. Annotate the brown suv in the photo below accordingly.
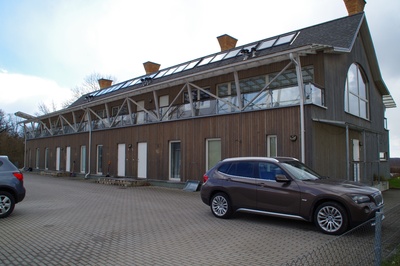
(284, 187)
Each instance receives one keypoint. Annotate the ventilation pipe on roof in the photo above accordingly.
(151, 67)
(226, 42)
(354, 6)
(104, 83)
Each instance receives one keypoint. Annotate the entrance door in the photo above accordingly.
(121, 159)
(68, 159)
(142, 160)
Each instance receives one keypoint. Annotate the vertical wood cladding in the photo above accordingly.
(242, 134)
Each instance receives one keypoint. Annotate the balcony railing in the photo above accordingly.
(269, 99)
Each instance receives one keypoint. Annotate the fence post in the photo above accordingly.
(378, 238)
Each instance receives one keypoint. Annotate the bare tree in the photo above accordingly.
(44, 109)
(89, 84)
(11, 138)
(4, 126)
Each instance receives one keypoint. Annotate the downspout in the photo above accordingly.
(90, 144)
(24, 146)
(299, 75)
(365, 154)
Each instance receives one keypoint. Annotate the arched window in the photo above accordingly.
(356, 92)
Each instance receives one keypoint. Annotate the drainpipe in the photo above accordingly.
(90, 143)
(24, 146)
(299, 75)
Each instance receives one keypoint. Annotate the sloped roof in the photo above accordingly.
(337, 35)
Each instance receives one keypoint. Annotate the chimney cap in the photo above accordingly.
(151, 67)
(104, 83)
(354, 6)
(226, 42)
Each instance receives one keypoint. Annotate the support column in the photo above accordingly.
(300, 84)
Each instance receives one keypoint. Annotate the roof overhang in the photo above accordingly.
(344, 124)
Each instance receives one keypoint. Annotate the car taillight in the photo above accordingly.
(19, 176)
(205, 178)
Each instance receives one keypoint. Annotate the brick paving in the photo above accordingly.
(65, 221)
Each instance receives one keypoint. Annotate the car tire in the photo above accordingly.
(221, 205)
(331, 218)
(7, 204)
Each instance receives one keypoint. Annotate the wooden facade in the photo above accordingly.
(113, 118)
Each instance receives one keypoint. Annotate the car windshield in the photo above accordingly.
(300, 171)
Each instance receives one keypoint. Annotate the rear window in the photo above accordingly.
(6, 165)
(224, 167)
(245, 169)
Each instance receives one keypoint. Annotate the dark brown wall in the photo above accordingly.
(242, 134)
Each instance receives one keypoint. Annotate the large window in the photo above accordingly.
(83, 159)
(213, 152)
(100, 159)
(272, 146)
(356, 92)
(37, 158)
(46, 158)
(175, 160)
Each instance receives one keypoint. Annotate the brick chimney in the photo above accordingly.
(226, 42)
(354, 6)
(151, 67)
(105, 83)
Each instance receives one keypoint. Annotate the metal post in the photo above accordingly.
(299, 75)
(378, 238)
(238, 93)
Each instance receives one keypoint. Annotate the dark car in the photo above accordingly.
(12, 188)
(285, 187)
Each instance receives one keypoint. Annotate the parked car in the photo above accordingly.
(12, 188)
(285, 187)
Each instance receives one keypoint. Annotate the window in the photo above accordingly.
(383, 156)
(164, 100)
(245, 169)
(289, 77)
(356, 92)
(272, 146)
(197, 95)
(83, 159)
(100, 159)
(114, 111)
(140, 112)
(174, 160)
(46, 158)
(269, 171)
(213, 150)
(37, 158)
(58, 158)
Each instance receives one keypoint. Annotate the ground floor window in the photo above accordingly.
(272, 146)
(46, 158)
(37, 158)
(174, 160)
(100, 159)
(58, 158)
(83, 159)
(68, 159)
(213, 151)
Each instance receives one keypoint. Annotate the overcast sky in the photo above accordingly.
(48, 47)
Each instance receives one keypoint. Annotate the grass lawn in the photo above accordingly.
(394, 183)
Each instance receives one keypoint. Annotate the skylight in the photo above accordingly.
(238, 51)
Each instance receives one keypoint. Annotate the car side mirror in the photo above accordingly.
(281, 178)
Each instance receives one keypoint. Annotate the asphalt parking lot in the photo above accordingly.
(65, 221)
